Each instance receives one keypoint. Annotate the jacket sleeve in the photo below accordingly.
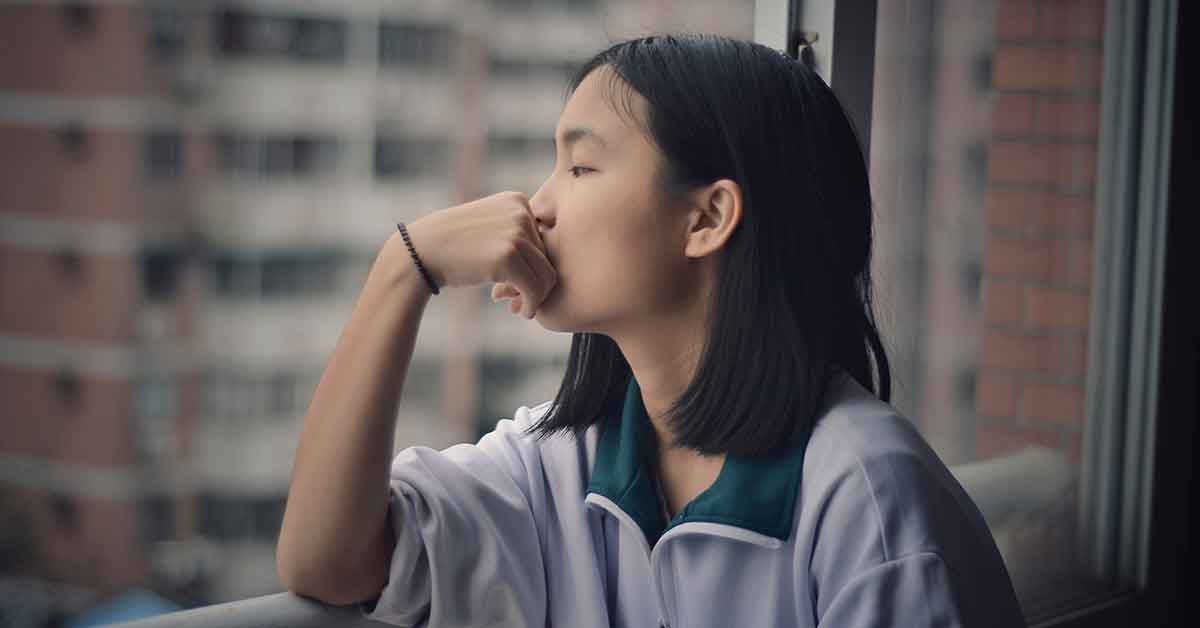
(467, 550)
(898, 542)
(915, 590)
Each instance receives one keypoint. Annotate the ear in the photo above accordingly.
(716, 214)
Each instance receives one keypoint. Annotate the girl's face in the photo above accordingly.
(617, 247)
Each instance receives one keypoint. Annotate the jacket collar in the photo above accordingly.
(756, 494)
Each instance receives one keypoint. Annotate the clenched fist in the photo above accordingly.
(492, 239)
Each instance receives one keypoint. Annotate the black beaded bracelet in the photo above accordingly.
(421, 267)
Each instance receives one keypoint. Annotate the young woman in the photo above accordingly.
(721, 451)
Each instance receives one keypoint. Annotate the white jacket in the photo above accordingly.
(863, 526)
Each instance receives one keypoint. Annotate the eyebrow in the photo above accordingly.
(578, 133)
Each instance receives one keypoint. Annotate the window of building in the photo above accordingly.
(572, 6)
(163, 154)
(68, 387)
(155, 397)
(414, 44)
(154, 419)
(233, 517)
(558, 70)
(278, 156)
(502, 147)
(161, 267)
(79, 18)
(397, 158)
(232, 394)
(275, 274)
(166, 32)
(241, 34)
(74, 140)
(65, 509)
(156, 518)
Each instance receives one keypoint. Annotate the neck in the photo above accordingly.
(664, 358)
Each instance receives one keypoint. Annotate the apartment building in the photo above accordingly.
(191, 196)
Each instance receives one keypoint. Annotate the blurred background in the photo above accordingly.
(191, 194)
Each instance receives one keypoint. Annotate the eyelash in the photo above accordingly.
(572, 170)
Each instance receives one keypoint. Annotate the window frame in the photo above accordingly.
(1131, 520)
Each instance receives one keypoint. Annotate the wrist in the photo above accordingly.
(426, 272)
(395, 266)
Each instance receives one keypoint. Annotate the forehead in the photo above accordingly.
(591, 107)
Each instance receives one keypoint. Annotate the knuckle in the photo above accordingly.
(515, 234)
(509, 251)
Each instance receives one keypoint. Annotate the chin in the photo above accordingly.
(554, 317)
(550, 322)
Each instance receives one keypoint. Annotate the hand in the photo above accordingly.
(494, 239)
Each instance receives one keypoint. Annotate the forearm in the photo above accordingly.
(335, 522)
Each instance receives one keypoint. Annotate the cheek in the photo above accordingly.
(627, 267)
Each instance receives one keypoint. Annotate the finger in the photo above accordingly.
(546, 274)
(503, 290)
(531, 225)
(514, 306)
(539, 260)
(523, 276)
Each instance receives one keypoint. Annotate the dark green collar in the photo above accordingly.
(757, 494)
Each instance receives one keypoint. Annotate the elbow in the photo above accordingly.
(326, 587)
(328, 582)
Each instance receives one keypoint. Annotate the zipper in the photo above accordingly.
(653, 556)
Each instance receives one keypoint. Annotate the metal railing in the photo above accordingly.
(1006, 488)
(279, 610)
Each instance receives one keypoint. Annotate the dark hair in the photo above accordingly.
(793, 298)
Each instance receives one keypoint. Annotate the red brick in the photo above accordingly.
(43, 297)
(1038, 259)
(1077, 355)
(1016, 20)
(1079, 263)
(1007, 210)
(1016, 259)
(1023, 352)
(1056, 308)
(93, 430)
(996, 438)
(1071, 20)
(1012, 115)
(1003, 303)
(110, 59)
(1058, 118)
(100, 551)
(40, 176)
(1042, 163)
(1047, 68)
(1037, 212)
(996, 395)
(1057, 403)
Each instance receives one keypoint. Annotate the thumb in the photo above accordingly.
(504, 290)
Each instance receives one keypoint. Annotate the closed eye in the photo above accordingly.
(572, 170)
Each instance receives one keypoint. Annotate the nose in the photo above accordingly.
(542, 208)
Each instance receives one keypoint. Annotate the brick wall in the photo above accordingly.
(1039, 212)
(101, 55)
(59, 58)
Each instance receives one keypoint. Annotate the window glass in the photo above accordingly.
(984, 146)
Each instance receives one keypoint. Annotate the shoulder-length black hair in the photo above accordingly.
(792, 304)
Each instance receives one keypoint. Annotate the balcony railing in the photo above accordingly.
(1006, 489)
(279, 610)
